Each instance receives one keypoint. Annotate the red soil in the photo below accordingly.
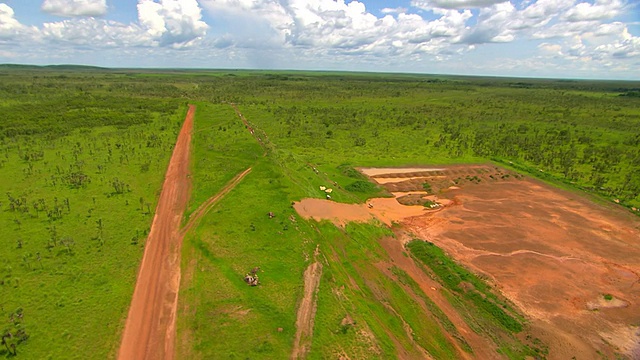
(386, 210)
(554, 255)
(150, 328)
(482, 347)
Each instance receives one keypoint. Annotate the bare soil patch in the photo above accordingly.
(149, 331)
(387, 210)
(553, 254)
(483, 348)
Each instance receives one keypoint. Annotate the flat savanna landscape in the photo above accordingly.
(378, 216)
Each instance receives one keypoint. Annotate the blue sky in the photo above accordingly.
(532, 38)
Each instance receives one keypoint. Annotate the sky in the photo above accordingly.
(528, 38)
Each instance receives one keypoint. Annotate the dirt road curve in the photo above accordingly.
(150, 328)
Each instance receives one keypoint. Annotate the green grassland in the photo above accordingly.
(81, 175)
(94, 144)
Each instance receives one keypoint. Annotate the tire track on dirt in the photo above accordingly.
(204, 208)
(149, 331)
(307, 309)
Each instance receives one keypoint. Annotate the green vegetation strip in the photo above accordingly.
(453, 276)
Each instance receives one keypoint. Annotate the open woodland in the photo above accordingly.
(83, 153)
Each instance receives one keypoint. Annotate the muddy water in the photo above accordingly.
(387, 210)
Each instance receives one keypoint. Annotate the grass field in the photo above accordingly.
(82, 159)
(76, 209)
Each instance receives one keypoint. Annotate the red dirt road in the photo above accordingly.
(149, 332)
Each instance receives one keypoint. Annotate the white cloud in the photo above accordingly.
(8, 23)
(494, 25)
(331, 33)
(596, 47)
(95, 33)
(172, 22)
(551, 48)
(454, 4)
(540, 13)
(10, 28)
(70, 8)
(8, 54)
(334, 26)
(564, 30)
(398, 10)
(599, 10)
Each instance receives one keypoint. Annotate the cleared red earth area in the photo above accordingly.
(567, 263)
(150, 328)
(570, 265)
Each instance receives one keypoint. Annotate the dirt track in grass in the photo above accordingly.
(202, 210)
(149, 331)
(307, 310)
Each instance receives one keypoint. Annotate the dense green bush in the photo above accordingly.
(362, 186)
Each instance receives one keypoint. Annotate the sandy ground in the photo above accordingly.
(386, 210)
(150, 328)
(307, 310)
(554, 254)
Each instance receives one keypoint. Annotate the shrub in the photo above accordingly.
(348, 171)
(427, 187)
(360, 186)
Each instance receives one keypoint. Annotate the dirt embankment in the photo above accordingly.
(483, 348)
(150, 327)
(307, 309)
